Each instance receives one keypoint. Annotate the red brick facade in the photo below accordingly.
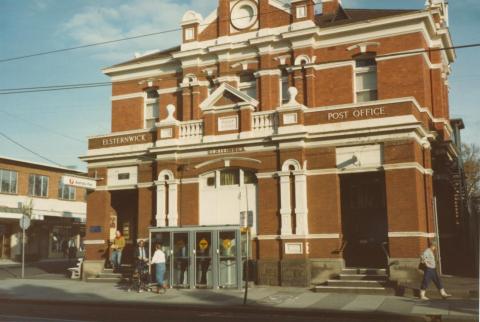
(214, 123)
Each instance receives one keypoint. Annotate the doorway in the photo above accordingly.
(201, 257)
(364, 219)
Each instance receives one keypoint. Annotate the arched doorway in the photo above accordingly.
(225, 193)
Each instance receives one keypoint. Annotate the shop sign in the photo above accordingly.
(79, 182)
(366, 112)
(226, 150)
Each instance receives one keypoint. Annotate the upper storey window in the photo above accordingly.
(366, 78)
(8, 181)
(151, 109)
(284, 96)
(37, 185)
(248, 85)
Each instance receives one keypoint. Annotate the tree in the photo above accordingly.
(471, 166)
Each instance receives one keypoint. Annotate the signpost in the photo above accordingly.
(24, 224)
(246, 221)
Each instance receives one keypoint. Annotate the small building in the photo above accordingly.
(330, 130)
(58, 211)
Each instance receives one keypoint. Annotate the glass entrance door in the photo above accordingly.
(181, 260)
(200, 257)
(227, 259)
(203, 260)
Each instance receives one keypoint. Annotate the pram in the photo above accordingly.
(140, 279)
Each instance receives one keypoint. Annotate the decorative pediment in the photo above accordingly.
(227, 96)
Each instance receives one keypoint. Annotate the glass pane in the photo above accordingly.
(366, 96)
(249, 177)
(31, 184)
(5, 181)
(13, 182)
(37, 186)
(367, 80)
(181, 257)
(203, 250)
(365, 62)
(162, 239)
(285, 93)
(150, 123)
(229, 177)
(44, 186)
(228, 260)
(71, 193)
(250, 91)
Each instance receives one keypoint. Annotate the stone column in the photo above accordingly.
(172, 203)
(285, 210)
(161, 216)
(301, 207)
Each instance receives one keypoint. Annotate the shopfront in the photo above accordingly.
(202, 257)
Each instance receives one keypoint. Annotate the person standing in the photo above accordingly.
(72, 249)
(141, 256)
(159, 260)
(117, 247)
(430, 272)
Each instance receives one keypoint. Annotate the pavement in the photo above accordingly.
(274, 299)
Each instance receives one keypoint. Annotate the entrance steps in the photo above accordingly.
(359, 281)
(107, 275)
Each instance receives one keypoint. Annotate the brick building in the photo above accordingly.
(327, 127)
(58, 211)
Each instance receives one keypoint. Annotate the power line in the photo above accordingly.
(61, 87)
(29, 150)
(43, 127)
(126, 38)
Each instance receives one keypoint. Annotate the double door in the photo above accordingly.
(201, 257)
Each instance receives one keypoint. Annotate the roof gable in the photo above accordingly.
(227, 96)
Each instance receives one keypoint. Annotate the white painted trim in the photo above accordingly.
(128, 96)
(411, 234)
(94, 242)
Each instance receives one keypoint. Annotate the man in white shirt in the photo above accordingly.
(430, 272)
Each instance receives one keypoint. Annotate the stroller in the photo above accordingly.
(140, 279)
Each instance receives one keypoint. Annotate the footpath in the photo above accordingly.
(260, 299)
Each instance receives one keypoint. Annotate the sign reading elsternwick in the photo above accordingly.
(79, 182)
(127, 139)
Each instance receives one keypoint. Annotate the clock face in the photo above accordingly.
(244, 14)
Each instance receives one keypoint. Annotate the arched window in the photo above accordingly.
(366, 78)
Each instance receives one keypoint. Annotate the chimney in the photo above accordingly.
(331, 7)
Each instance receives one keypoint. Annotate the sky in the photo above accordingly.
(56, 124)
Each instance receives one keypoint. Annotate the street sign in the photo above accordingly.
(24, 222)
(79, 182)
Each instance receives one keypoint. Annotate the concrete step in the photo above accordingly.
(367, 271)
(356, 290)
(110, 275)
(358, 277)
(357, 283)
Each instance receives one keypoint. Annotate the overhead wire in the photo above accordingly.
(29, 150)
(60, 87)
(130, 38)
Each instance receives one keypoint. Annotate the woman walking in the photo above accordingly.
(160, 267)
(430, 272)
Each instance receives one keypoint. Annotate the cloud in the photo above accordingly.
(93, 24)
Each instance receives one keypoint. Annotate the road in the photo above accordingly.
(19, 312)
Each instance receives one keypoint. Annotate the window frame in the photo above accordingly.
(246, 85)
(363, 70)
(2, 172)
(31, 187)
(153, 101)
(61, 191)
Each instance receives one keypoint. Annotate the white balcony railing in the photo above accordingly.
(265, 122)
(191, 129)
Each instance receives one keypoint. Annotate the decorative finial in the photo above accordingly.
(293, 92)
